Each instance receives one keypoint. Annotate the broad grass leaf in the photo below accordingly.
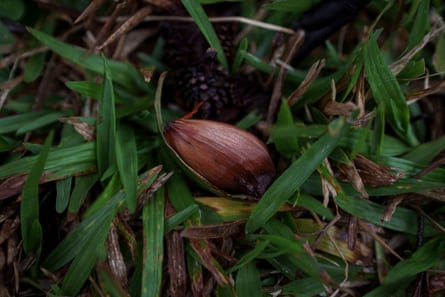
(127, 164)
(297, 173)
(153, 224)
(124, 74)
(402, 274)
(15, 122)
(248, 281)
(106, 125)
(29, 207)
(60, 162)
(403, 220)
(82, 186)
(63, 188)
(387, 92)
(180, 217)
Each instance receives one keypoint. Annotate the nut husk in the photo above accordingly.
(229, 158)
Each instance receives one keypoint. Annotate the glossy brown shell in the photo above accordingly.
(230, 158)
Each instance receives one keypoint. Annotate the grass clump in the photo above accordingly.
(92, 203)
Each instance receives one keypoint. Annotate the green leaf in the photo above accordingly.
(124, 74)
(387, 92)
(89, 240)
(14, 122)
(402, 274)
(180, 217)
(402, 220)
(61, 162)
(199, 16)
(297, 173)
(248, 281)
(12, 9)
(285, 143)
(426, 152)
(439, 55)
(63, 188)
(127, 164)
(29, 206)
(153, 223)
(92, 230)
(41, 122)
(312, 204)
(421, 24)
(82, 187)
(106, 125)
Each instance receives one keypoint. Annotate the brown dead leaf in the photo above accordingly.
(90, 10)
(352, 175)
(116, 260)
(311, 76)
(292, 45)
(376, 175)
(214, 231)
(176, 264)
(202, 249)
(132, 21)
(88, 132)
(8, 228)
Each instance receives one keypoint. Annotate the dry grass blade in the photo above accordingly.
(90, 10)
(115, 258)
(311, 76)
(292, 46)
(438, 27)
(202, 249)
(87, 131)
(176, 264)
(134, 20)
(214, 231)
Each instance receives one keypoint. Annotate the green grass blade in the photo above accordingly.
(401, 275)
(153, 222)
(106, 125)
(248, 281)
(199, 16)
(180, 217)
(258, 248)
(92, 232)
(401, 220)
(29, 207)
(15, 122)
(124, 74)
(63, 188)
(421, 24)
(82, 187)
(95, 224)
(61, 162)
(127, 164)
(387, 92)
(422, 154)
(41, 122)
(291, 179)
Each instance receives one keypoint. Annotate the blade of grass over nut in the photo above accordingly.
(189, 171)
(297, 173)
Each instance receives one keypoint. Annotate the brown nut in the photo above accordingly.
(229, 158)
